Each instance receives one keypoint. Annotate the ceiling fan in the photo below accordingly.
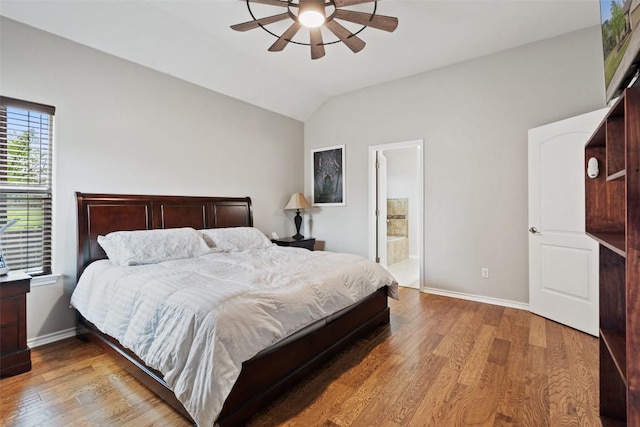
(315, 14)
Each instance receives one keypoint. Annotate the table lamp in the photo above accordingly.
(297, 202)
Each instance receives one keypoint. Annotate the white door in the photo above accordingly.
(381, 180)
(563, 261)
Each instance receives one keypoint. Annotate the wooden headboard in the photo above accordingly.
(99, 214)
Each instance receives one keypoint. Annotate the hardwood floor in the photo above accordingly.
(441, 362)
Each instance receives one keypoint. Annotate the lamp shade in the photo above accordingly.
(297, 201)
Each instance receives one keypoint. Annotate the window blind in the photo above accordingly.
(26, 142)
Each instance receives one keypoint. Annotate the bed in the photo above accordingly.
(263, 377)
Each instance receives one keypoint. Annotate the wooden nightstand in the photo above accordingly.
(15, 356)
(288, 241)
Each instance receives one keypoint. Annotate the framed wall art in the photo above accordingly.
(328, 187)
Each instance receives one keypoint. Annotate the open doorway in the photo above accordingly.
(396, 206)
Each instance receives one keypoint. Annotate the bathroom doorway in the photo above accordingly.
(396, 206)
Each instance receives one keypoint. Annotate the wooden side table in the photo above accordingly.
(15, 355)
(302, 243)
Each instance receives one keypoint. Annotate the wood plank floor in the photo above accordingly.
(441, 362)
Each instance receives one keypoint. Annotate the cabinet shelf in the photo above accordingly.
(617, 175)
(616, 343)
(612, 241)
(612, 218)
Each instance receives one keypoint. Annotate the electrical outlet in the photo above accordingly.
(485, 272)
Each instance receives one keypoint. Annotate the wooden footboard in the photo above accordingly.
(264, 377)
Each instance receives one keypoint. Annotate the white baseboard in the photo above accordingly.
(477, 298)
(52, 337)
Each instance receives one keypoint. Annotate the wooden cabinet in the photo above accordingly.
(613, 219)
(15, 356)
(302, 243)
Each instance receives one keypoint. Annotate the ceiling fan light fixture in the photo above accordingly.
(316, 15)
(312, 13)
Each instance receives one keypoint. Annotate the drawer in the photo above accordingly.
(9, 310)
(9, 338)
(307, 244)
(14, 289)
(15, 363)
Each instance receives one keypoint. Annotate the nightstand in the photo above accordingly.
(302, 243)
(15, 356)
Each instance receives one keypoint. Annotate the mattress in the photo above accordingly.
(197, 320)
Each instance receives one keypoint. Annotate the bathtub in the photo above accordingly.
(397, 249)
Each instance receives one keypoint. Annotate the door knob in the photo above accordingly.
(533, 230)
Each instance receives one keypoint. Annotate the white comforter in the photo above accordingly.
(196, 320)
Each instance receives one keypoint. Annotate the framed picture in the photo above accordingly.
(328, 187)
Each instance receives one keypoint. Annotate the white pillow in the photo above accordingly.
(152, 246)
(236, 238)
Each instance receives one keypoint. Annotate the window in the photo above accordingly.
(26, 131)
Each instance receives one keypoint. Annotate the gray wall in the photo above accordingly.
(474, 118)
(123, 128)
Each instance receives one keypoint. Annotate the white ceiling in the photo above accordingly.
(191, 40)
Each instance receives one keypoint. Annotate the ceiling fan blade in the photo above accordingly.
(283, 41)
(381, 22)
(250, 25)
(343, 3)
(353, 42)
(317, 48)
(271, 2)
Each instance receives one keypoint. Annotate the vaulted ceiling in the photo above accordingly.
(191, 40)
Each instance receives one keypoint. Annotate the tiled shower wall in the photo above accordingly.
(397, 226)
